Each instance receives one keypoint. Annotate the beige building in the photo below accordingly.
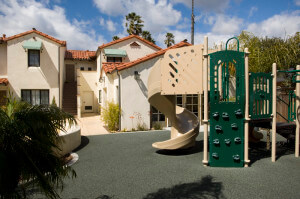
(39, 69)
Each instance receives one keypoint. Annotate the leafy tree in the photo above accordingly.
(147, 35)
(115, 38)
(264, 51)
(28, 135)
(134, 24)
(169, 41)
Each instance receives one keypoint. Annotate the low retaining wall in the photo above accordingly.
(71, 139)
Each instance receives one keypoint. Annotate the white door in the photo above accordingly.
(88, 101)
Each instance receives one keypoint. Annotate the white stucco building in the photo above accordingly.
(38, 68)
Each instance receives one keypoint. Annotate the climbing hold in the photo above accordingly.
(236, 157)
(225, 116)
(238, 113)
(234, 126)
(216, 141)
(237, 140)
(227, 141)
(218, 128)
(215, 115)
(215, 155)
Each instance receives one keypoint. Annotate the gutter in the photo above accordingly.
(59, 86)
(119, 76)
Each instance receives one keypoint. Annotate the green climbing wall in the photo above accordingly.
(226, 139)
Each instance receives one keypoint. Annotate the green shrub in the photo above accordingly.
(157, 126)
(110, 115)
(141, 127)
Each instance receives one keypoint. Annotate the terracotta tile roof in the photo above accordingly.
(63, 43)
(151, 56)
(129, 37)
(80, 54)
(3, 81)
(109, 67)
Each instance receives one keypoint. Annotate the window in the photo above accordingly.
(82, 68)
(35, 97)
(89, 68)
(33, 58)
(157, 116)
(179, 100)
(192, 103)
(114, 59)
(100, 96)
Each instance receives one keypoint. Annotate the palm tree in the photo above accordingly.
(147, 35)
(28, 135)
(134, 24)
(169, 39)
(115, 38)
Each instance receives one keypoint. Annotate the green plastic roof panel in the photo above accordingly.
(115, 53)
(32, 45)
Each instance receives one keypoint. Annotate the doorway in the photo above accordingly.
(70, 73)
(88, 101)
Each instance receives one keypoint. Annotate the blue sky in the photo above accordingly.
(90, 23)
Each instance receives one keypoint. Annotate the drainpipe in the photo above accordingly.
(59, 86)
(119, 76)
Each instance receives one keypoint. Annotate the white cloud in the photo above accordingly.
(253, 9)
(218, 6)
(155, 14)
(111, 26)
(102, 21)
(20, 16)
(297, 2)
(227, 25)
(277, 25)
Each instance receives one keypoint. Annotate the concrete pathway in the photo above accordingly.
(91, 124)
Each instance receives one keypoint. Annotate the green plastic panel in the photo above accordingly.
(260, 93)
(226, 140)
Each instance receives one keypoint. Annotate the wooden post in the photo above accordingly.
(247, 118)
(297, 118)
(274, 71)
(205, 120)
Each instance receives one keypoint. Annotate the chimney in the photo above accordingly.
(33, 29)
(4, 35)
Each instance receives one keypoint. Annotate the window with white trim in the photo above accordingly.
(157, 116)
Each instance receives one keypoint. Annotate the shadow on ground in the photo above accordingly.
(258, 151)
(84, 142)
(205, 188)
(196, 149)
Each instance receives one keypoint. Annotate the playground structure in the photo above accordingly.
(232, 115)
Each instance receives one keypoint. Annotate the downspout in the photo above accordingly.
(119, 99)
(59, 86)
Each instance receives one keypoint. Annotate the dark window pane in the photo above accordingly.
(195, 108)
(153, 109)
(195, 99)
(34, 58)
(81, 68)
(154, 117)
(25, 95)
(189, 107)
(188, 100)
(35, 97)
(118, 59)
(45, 97)
(179, 100)
(89, 69)
(161, 117)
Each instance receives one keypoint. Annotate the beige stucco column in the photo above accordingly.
(297, 116)
(247, 117)
(78, 94)
(274, 73)
(205, 88)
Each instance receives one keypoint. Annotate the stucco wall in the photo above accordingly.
(87, 84)
(81, 63)
(133, 53)
(3, 60)
(21, 76)
(61, 73)
(134, 95)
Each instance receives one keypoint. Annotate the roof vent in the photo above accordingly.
(33, 29)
